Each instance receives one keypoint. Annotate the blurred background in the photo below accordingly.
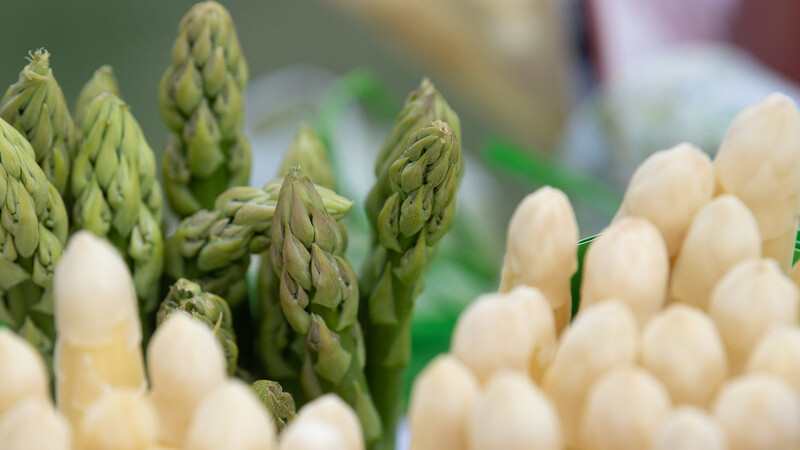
(571, 93)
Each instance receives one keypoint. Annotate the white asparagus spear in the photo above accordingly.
(627, 262)
(759, 411)
(600, 338)
(123, 419)
(722, 234)
(98, 346)
(682, 348)
(512, 413)
(313, 434)
(514, 330)
(540, 249)
(326, 422)
(778, 353)
(689, 428)
(759, 162)
(442, 400)
(231, 417)
(33, 423)
(668, 189)
(22, 371)
(748, 301)
(623, 410)
(794, 275)
(185, 361)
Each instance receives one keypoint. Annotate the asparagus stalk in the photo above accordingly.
(540, 250)
(683, 168)
(122, 419)
(752, 285)
(33, 233)
(689, 426)
(423, 106)
(213, 247)
(36, 107)
(758, 162)
(319, 298)
(201, 101)
(280, 348)
(230, 417)
(625, 398)
(308, 153)
(512, 412)
(185, 361)
(600, 338)
(441, 405)
(412, 220)
(326, 422)
(682, 347)
(34, 423)
(279, 403)
(116, 193)
(189, 297)
(24, 372)
(722, 234)
(628, 262)
(102, 81)
(99, 332)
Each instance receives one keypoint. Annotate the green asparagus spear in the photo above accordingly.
(213, 247)
(201, 101)
(102, 81)
(210, 309)
(279, 403)
(116, 193)
(281, 349)
(308, 153)
(36, 107)
(423, 106)
(33, 231)
(319, 298)
(424, 180)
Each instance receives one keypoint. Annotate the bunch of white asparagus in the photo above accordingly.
(103, 399)
(687, 334)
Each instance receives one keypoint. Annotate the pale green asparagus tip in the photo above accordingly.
(308, 153)
(280, 404)
(305, 253)
(424, 180)
(238, 225)
(210, 309)
(102, 81)
(423, 105)
(33, 231)
(319, 298)
(36, 107)
(113, 180)
(200, 97)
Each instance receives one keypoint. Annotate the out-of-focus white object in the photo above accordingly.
(511, 58)
(689, 93)
(625, 31)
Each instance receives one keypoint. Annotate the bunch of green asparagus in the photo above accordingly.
(313, 326)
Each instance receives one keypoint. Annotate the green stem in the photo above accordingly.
(207, 189)
(389, 353)
(353, 389)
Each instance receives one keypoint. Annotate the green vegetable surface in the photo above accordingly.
(201, 101)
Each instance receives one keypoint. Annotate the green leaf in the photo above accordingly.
(796, 249)
(575, 283)
(528, 166)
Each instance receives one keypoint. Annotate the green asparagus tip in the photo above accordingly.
(38, 63)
